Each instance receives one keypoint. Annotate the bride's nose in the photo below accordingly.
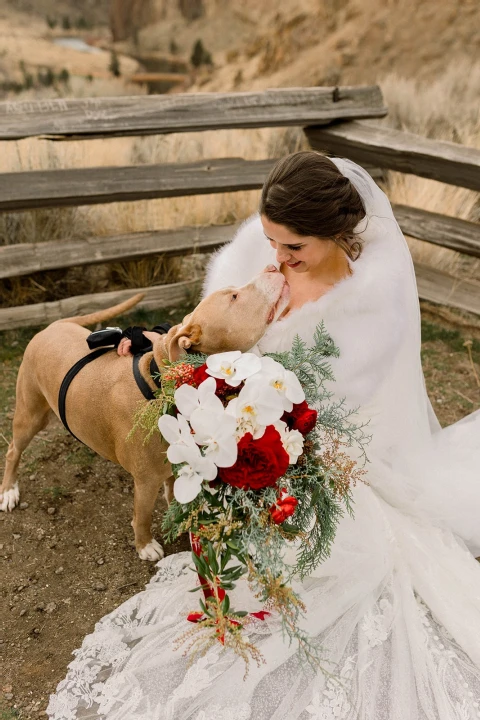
(283, 255)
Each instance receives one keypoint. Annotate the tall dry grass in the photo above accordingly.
(116, 218)
(447, 109)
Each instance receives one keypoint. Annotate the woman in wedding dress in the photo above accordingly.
(396, 607)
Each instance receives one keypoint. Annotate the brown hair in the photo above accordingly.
(308, 194)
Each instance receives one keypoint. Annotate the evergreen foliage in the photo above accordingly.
(235, 525)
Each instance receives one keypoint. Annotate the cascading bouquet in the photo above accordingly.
(256, 468)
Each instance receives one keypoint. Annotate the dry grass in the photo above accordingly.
(446, 109)
(147, 272)
(57, 224)
(443, 110)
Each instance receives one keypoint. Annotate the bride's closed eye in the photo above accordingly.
(289, 247)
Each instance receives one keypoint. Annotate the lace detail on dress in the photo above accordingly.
(215, 712)
(108, 649)
(453, 666)
(333, 702)
(170, 569)
(113, 690)
(377, 623)
(198, 677)
(102, 648)
(128, 670)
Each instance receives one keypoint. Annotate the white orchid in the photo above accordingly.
(233, 367)
(215, 432)
(187, 485)
(254, 409)
(176, 431)
(292, 441)
(188, 398)
(182, 447)
(284, 382)
(195, 468)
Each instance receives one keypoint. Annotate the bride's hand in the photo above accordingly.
(124, 346)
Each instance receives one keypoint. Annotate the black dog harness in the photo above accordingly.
(142, 384)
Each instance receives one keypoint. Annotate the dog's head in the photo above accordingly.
(231, 318)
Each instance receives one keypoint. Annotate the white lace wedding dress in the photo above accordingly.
(396, 606)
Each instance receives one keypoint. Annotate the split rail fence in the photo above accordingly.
(332, 121)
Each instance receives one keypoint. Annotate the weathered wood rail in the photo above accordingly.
(330, 117)
(158, 114)
(27, 258)
(408, 153)
(91, 186)
(156, 298)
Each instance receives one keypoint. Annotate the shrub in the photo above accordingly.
(114, 66)
(27, 77)
(46, 77)
(51, 22)
(200, 56)
(66, 24)
(64, 76)
(82, 24)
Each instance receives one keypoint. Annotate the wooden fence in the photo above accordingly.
(331, 118)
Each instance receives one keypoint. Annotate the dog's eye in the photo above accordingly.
(234, 296)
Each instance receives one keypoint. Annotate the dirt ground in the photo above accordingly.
(66, 553)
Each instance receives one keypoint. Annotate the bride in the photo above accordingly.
(396, 607)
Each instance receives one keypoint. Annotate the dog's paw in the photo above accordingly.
(152, 551)
(10, 498)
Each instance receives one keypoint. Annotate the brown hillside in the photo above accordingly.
(311, 42)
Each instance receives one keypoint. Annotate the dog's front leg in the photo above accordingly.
(168, 489)
(145, 495)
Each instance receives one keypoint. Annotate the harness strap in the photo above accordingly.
(74, 370)
(143, 386)
(155, 373)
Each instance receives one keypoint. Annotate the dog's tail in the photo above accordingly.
(101, 315)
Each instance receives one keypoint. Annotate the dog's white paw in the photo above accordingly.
(9, 498)
(152, 551)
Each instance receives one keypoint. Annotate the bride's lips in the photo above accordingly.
(292, 265)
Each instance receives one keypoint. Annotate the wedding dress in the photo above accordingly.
(397, 604)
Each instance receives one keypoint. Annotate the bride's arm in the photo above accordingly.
(370, 342)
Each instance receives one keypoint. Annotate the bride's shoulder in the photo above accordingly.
(376, 282)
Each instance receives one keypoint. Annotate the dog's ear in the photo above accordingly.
(185, 336)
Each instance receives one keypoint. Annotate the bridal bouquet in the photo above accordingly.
(256, 467)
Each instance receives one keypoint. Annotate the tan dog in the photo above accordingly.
(103, 397)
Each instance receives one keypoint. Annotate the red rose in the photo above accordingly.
(301, 418)
(200, 374)
(259, 463)
(283, 508)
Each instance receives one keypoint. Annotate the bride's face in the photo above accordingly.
(299, 253)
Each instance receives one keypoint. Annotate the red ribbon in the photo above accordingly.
(210, 590)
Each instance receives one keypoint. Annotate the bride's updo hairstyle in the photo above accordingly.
(306, 193)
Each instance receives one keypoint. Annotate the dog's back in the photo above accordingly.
(95, 393)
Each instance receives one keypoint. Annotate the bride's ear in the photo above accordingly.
(183, 337)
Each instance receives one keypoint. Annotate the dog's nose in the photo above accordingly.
(270, 268)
